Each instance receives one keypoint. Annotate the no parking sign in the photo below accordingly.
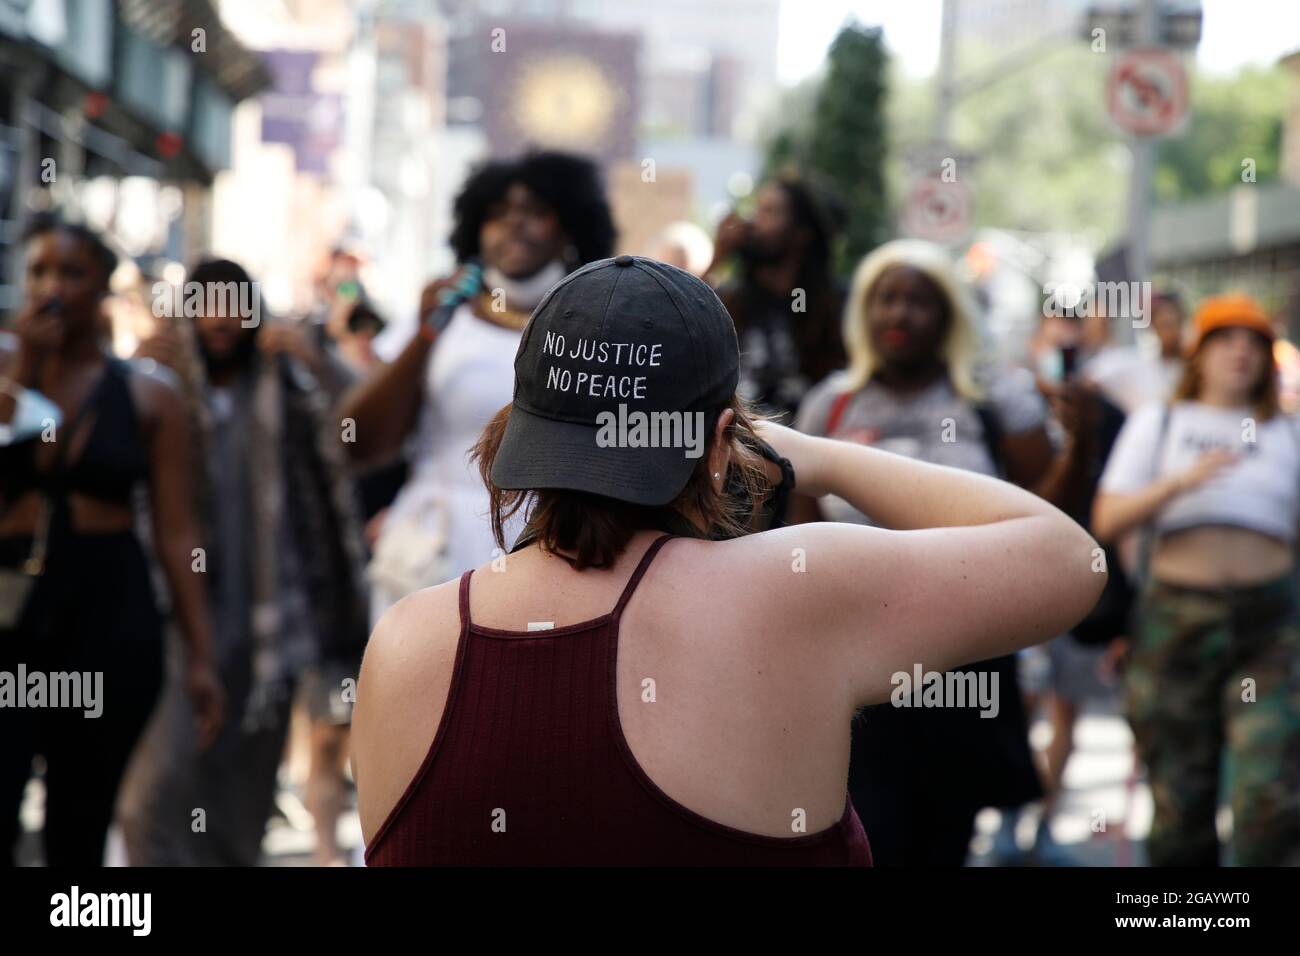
(937, 210)
(1146, 92)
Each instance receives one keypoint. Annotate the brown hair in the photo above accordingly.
(596, 529)
(1264, 396)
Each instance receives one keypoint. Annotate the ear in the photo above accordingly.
(720, 455)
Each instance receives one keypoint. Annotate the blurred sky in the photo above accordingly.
(1234, 32)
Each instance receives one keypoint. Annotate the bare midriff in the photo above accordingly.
(1220, 556)
(89, 515)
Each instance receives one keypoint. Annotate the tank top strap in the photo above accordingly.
(464, 598)
(642, 566)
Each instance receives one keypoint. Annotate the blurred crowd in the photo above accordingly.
(313, 485)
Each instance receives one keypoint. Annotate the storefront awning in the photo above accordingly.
(237, 70)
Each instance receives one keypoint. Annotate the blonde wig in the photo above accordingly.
(960, 347)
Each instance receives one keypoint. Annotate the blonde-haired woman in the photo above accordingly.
(911, 385)
(919, 775)
(1214, 477)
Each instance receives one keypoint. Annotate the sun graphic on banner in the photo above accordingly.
(564, 100)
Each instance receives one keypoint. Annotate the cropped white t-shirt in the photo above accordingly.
(1260, 491)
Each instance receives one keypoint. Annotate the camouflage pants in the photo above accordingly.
(1215, 669)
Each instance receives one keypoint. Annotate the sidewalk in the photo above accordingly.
(1104, 813)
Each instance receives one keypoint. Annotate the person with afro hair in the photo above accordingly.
(520, 225)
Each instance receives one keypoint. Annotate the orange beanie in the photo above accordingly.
(1233, 310)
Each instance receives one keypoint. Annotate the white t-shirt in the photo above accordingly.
(935, 424)
(469, 377)
(1260, 491)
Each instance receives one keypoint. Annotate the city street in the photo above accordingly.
(912, 332)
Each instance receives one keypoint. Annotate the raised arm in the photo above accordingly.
(386, 405)
(1114, 513)
(962, 567)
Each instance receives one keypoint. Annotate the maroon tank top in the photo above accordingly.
(529, 766)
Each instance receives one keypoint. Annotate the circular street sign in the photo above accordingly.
(936, 210)
(1146, 92)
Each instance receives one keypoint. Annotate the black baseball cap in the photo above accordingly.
(630, 332)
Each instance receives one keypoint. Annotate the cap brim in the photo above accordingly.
(538, 453)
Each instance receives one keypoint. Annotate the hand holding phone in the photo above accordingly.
(466, 284)
(1069, 362)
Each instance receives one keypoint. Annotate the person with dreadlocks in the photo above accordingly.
(782, 295)
(520, 226)
(283, 560)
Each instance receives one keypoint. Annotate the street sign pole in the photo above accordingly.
(1144, 159)
(947, 71)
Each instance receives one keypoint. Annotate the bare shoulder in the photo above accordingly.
(407, 633)
(401, 693)
(787, 560)
(156, 390)
(154, 382)
(787, 581)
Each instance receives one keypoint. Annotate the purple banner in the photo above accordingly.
(295, 114)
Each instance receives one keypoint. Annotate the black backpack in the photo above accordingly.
(1109, 617)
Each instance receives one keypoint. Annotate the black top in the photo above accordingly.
(785, 346)
(109, 464)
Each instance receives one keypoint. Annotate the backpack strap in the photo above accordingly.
(836, 412)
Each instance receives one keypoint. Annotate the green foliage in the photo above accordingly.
(787, 135)
(1047, 156)
(1048, 159)
(1233, 118)
(842, 139)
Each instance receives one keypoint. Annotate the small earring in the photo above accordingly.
(717, 474)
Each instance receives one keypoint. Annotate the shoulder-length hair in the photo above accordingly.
(1264, 396)
(960, 346)
(595, 529)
